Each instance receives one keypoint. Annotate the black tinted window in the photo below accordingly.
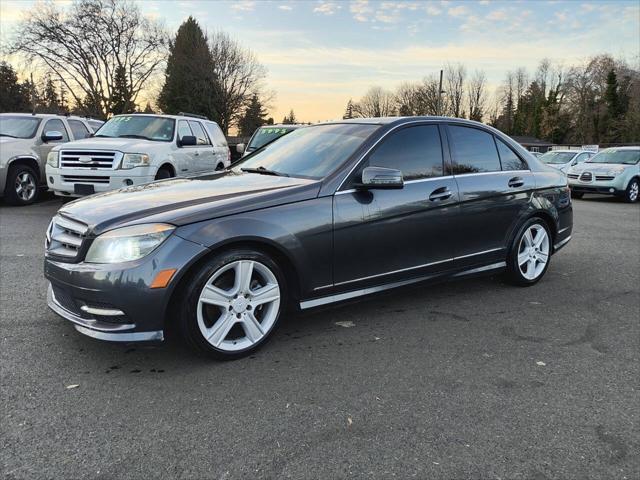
(509, 159)
(473, 150)
(78, 129)
(416, 151)
(198, 131)
(56, 125)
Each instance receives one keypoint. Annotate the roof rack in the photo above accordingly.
(185, 114)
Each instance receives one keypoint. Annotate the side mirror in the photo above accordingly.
(380, 177)
(52, 136)
(240, 147)
(188, 141)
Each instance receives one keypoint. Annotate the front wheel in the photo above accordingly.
(232, 304)
(530, 253)
(22, 185)
(632, 191)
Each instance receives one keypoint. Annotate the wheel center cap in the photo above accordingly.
(240, 304)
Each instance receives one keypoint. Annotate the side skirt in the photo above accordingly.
(316, 302)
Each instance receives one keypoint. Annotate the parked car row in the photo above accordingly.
(326, 213)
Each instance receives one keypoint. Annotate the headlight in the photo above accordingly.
(52, 159)
(128, 243)
(615, 171)
(131, 160)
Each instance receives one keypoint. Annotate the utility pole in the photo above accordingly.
(440, 92)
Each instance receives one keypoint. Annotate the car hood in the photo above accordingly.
(181, 201)
(131, 145)
(597, 167)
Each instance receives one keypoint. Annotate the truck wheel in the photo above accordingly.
(631, 193)
(163, 173)
(22, 185)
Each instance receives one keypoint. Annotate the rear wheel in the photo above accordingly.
(22, 185)
(632, 192)
(530, 253)
(576, 194)
(232, 304)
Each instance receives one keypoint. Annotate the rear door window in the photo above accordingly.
(415, 151)
(509, 159)
(474, 151)
(78, 129)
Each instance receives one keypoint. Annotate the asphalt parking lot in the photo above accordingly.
(474, 379)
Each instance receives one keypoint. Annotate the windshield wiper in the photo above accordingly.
(7, 135)
(131, 135)
(264, 171)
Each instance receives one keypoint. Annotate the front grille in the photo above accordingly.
(85, 179)
(586, 177)
(66, 300)
(65, 237)
(96, 160)
(572, 175)
(604, 178)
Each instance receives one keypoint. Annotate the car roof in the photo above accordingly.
(627, 148)
(164, 115)
(49, 115)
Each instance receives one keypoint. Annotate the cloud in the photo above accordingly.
(243, 6)
(458, 11)
(433, 10)
(497, 15)
(285, 7)
(360, 10)
(327, 8)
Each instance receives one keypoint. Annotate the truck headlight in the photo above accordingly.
(132, 160)
(128, 243)
(52, 159)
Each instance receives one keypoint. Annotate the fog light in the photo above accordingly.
(128, 182)
(612, 190)
(50, 179)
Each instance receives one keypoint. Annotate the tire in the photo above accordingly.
(527, 253)
(22, 185)
(577, 195)
(219, 314)
(163, 174)
(219, 167)
(632, 193)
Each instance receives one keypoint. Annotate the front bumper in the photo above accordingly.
(605, 187)
(114, 302)
(62, 181)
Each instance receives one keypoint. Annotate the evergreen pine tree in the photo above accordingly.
(254, 116)
(120, 101)
(290, 119)
(13, 97)
(349, 110)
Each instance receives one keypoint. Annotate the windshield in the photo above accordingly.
(266, 135)
(138, 126)
(620, 157)
(557, 157)
(18, 126)
(311, 152)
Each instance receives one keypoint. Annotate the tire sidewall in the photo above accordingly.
(513, 268)
(163, 174)
(189, 308)
(10, 191)
(627, 193)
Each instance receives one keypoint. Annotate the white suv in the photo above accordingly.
(134, 149)
(25, 141)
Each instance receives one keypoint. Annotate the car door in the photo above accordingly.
(205, 160)
(183, 156)
(384, 235)
(495, 185)
(43, 148)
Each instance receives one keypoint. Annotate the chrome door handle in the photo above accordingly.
(440, 194)
(516, 182)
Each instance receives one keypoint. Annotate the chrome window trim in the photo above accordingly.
(408, 182)
(496, 172)
(366, 291)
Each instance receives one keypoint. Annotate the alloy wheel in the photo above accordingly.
(533, 252)
(25, 186)
(633, 191)
(238, 305)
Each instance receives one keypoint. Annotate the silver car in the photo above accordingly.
(25, 141)
(563, 159)
(614, 171)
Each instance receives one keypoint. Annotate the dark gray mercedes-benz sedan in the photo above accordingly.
(328, 213)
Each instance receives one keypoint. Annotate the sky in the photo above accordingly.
(320, 53)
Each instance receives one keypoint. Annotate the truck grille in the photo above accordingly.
(65, 237)
(586, 177)
(84, 179)
(93, 159)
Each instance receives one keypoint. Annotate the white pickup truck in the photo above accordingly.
(134, 149)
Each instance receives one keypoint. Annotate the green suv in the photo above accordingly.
(613, 171)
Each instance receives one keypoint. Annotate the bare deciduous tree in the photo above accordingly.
(476, 95)
(407, 98)
(87, 44)
(237, 75)
(454, 85)
(377, 102)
